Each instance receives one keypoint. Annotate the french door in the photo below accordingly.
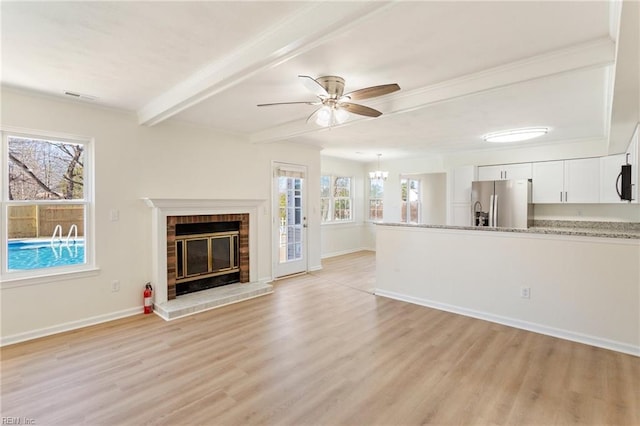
(290, 220)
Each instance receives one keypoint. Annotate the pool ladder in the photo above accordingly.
(58, 230)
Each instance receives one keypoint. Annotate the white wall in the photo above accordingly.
(171, 160)
(583, 289)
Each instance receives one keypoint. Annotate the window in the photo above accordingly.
(410, 189)
(335, 199)
(376, 193)
(45, 205)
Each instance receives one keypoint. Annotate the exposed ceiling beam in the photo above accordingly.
(311, 26)
(600, 52)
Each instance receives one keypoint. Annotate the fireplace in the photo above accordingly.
(167, 213)
(206, 251)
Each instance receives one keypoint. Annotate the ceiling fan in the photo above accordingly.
(335, 106)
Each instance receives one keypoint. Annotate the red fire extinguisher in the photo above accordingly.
(148, 293)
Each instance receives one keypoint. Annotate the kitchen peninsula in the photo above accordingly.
(580, 283)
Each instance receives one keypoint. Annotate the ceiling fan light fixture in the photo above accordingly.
(324, 116)
(330, 116)
(341, 115)
(516, 135)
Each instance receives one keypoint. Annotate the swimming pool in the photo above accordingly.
(26, 254)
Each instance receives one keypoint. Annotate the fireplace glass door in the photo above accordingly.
(206, 255)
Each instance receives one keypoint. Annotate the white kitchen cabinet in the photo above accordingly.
(548, 182)
(461, 214)
(582, 181)
(461, 178)
(505, 171)
(567, 181)
(459, 183)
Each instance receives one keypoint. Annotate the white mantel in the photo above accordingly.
(165, 207)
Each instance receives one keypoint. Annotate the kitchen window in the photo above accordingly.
(410, 190)
(46, 206)
(376, 195)
(335, 199)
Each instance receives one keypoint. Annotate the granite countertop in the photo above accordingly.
(625, 230)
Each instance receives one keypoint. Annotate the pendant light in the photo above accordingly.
(379, 174)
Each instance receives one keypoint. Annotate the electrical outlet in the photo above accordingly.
(115, 286)
(114, 215)
(525, 292)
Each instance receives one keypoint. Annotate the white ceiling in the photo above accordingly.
(465, 68)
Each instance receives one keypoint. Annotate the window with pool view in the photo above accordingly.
(45, 203)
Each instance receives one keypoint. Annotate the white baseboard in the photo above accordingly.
(516, 323)
(68, 326)
(343, 252)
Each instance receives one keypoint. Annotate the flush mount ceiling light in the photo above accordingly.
(516, 135)
(379, 174)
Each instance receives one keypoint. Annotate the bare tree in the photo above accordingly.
(41, 169)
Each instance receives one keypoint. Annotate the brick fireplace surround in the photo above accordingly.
(172, 221)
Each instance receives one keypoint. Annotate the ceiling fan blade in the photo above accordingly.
(372, 92)
(291, 103)
(313, 86)
(359, 109)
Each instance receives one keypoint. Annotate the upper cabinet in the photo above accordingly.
(582, 181)
(567, 181)
(548, 182)
(505, 171)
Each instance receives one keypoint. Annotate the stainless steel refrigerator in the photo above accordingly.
(502, 203)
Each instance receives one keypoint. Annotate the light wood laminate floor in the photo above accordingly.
(321, 350)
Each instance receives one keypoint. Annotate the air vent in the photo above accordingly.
(80, 96)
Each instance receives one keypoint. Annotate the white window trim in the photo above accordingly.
(333, 222)
(10, 279)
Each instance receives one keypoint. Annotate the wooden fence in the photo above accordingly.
(39, 221)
